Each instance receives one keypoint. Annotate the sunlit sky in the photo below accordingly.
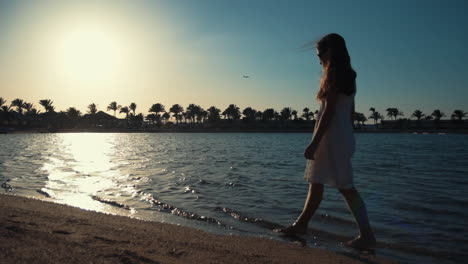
(408, 54)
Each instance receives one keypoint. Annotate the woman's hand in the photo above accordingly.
(310, 151)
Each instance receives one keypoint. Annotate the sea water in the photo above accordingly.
(415, 185)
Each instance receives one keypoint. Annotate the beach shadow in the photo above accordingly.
(365, 256)
(294, 239)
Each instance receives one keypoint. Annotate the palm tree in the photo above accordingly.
(360, 118)
(269, 114)
(156, 109)
(92, 109)
(28, 107)
(286, 113)
(294, 114)
(418, 114)
(152, 118)
(393, 112)
(47, 104)
(200, 112)
(165, 116)
(133, 107)
(125, 110)
(204, 115)
(2, 102)
(6, 113)
(232, 112)
(19, 104)
(307, 114)
(437, 114)
(73, 113)
(249, 113)
(376, 116)
(458, 114)
(277, 116)
(176, 110)
(113, 106)
(213, 114)
(259, 115)
(192, 112)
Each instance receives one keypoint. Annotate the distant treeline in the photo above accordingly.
(22, 115)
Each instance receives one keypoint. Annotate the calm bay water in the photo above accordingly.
(415, 185)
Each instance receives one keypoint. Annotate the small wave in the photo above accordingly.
(254, 220)
(46, 194)
(167, 208)
(111, 202)
(6, 186)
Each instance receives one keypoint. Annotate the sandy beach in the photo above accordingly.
(34, 231)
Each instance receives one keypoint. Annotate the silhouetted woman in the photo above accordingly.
(329, 154)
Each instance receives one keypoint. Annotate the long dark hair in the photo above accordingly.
(337, 70)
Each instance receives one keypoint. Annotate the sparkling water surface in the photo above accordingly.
(414, 185)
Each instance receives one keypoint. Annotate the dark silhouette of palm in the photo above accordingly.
(73, 113)
(259, 115)
(47, 104)
(458, 114)
(113, 106)
(176, 110)
(125, 110)
(2, 102)
(418, 114)
(132, 108)
(156, 109)
(200, 113)
(213, 114)
(376, 116)
(92, 109)
(19, 104)
(191, 112)
(277, 116)
(165, 117)
(286, 113)
(360, 118)
(437, 114)
(269, 114)
(294, 114)
(28, 107)
(151, 118)
(6, 113)
(249, 113)
(232, 112)
(394, 112)
(203, 115)
(307, 114)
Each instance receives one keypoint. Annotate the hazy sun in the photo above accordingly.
(89, 53)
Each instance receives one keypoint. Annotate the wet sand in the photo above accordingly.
(34, 231)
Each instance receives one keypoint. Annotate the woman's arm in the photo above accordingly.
(324, 122)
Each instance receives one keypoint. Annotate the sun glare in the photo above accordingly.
(88, 53)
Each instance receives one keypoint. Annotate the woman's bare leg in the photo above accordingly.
(355, 203)
(314, 197)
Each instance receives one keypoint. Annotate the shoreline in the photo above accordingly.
(234, 130)
(45, 232)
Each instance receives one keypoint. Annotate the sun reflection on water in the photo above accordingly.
(81, 169)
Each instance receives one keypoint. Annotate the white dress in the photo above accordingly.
(332, 164)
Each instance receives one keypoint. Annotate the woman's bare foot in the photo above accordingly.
(295, 228)
(362, 242)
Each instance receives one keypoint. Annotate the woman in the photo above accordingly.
(329, 154)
